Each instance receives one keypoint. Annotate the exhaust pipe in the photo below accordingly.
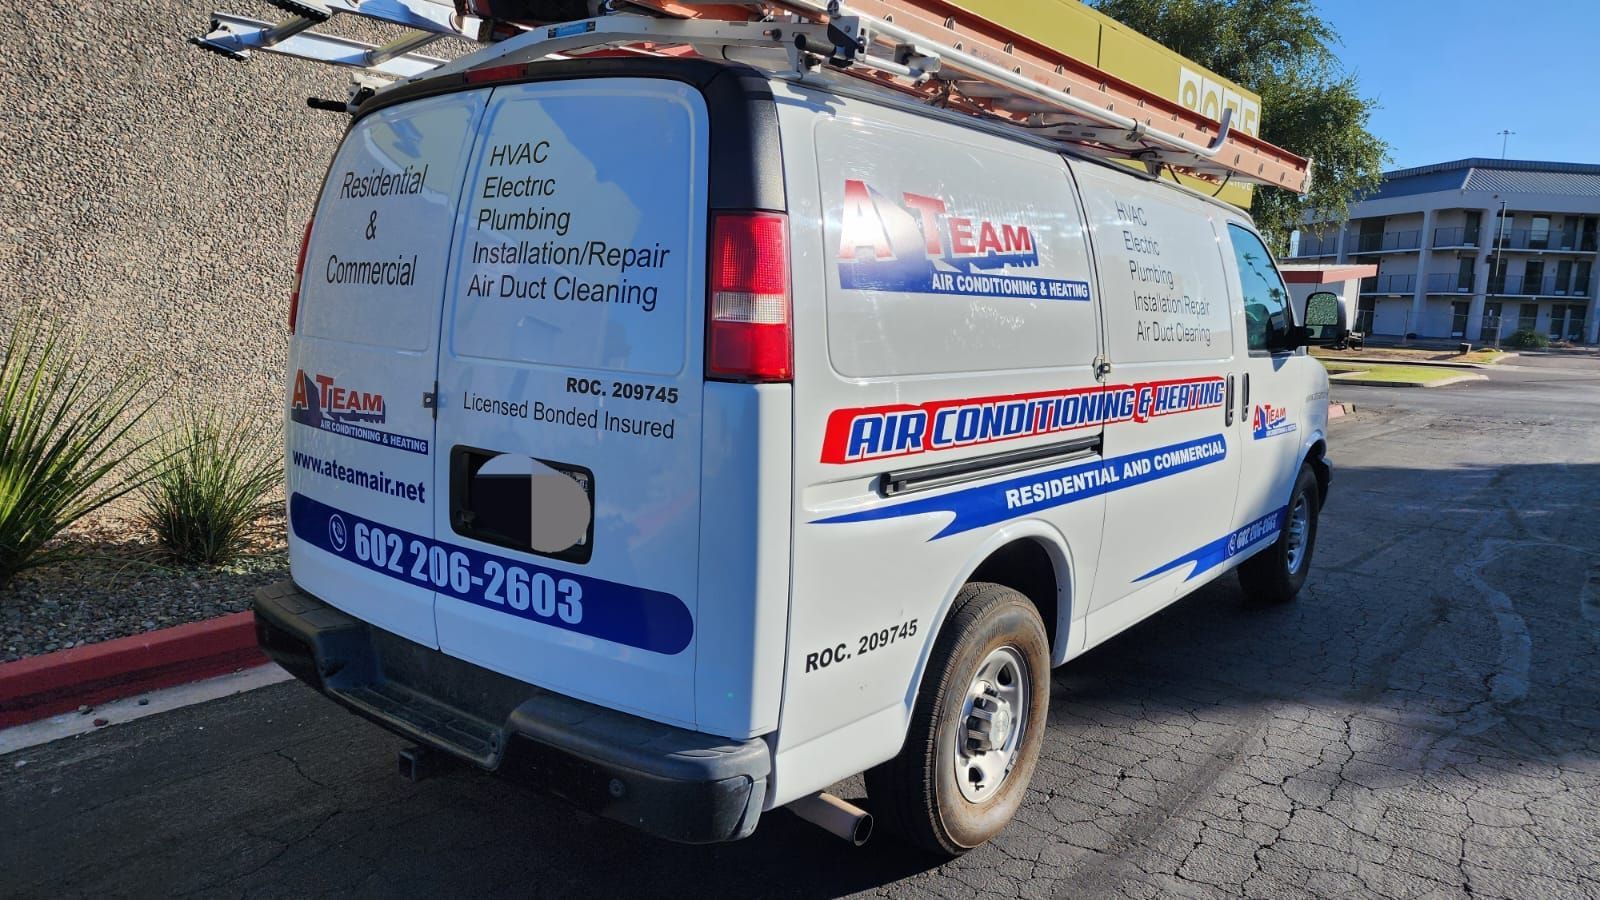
(837, 817)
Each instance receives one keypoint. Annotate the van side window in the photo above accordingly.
(1266, 301)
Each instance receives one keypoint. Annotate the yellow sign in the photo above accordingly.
(1084, 34)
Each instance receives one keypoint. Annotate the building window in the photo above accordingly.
(1458, 318)
(1527, 316)
(1558, 322)
(1491, 322)
(1497, 275)
(1532, 276)
(1366, 311)
(1539, 234)
(1569, 233)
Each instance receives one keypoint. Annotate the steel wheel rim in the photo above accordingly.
(1299, 526)
(994, 720)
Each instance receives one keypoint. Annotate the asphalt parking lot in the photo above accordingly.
(1424, 721)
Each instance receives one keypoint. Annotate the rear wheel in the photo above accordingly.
(976, 728)
(1276, 574)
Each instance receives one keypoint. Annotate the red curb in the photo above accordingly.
(53, 683)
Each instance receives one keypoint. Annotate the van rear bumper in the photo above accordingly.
(674, 783)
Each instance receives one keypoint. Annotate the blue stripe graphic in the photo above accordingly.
(622, 613)
(1219, 551)
(989, 504)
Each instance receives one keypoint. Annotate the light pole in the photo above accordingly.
(1505, 135)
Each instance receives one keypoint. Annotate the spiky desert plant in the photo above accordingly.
(66, 440)
(213, 482)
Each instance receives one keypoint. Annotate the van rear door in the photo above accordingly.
(570, 382)
(360, 475)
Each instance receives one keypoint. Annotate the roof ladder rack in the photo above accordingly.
(925, 48)
(236, 37)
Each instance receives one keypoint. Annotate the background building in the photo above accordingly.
(1473, 249)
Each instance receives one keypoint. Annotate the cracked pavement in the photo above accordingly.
(1423, 722)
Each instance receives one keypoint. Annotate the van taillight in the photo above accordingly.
(299, 270)
(749, 334)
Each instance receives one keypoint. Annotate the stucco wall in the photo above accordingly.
(154, 195)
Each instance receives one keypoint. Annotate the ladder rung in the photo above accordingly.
(239, 35)
(401, 47)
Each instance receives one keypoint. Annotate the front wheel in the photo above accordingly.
(976, 729)
(1276, 574)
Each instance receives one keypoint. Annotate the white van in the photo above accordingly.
(687, 438)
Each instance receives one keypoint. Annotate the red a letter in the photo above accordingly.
(862, 226)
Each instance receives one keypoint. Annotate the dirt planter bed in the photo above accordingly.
(124, 589)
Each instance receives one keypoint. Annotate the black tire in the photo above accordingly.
(915, 795)
(1267, 577)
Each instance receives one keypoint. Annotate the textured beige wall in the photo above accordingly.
(153, 195)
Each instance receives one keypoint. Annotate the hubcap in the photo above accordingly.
(1299, 524)
(994, 718)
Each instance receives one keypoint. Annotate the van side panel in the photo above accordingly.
(1168, 324)
(943, 314)
(359, 440)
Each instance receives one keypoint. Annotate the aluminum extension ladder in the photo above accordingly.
(913, 46)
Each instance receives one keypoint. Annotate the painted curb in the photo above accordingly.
(53, 683)
(1443, 363)
(1340, 410)
(1368, 382)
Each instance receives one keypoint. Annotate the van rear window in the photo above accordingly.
(380, 243)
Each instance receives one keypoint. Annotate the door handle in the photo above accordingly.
(1244, 397)
(1227, 403)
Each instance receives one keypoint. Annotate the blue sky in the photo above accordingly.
(1449, 75)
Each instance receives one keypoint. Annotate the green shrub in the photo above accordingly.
(65, 445)
(213, 482)
(1527, 338)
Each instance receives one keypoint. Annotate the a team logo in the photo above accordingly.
(320, 396)
(925, 245)
(324, 403)
(1270, 420)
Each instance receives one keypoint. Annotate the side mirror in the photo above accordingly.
(1326, 323)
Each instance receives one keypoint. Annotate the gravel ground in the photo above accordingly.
(122, 586)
